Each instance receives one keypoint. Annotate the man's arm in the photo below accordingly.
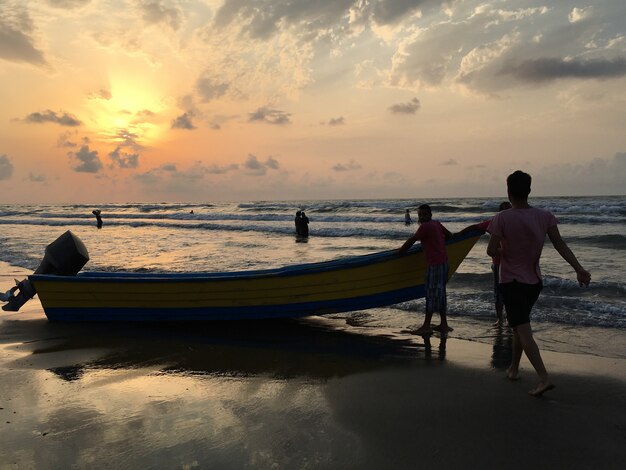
(494, 249)
(407, 244)
(471, 228)
(582, 275)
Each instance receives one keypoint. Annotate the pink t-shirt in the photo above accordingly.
(523, 233)
(432, 236)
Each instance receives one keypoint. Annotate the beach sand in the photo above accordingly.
(314, 393)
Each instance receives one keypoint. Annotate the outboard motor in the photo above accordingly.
(64, 257)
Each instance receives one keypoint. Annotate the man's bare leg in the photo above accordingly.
(499, 314)
(531, 349)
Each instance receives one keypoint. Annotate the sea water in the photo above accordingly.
(216, 237)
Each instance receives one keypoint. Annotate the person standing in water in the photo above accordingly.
(98, 218)
(407, 218)
(304, 225)
(495, 264)
(297, 223)
(432, 235)
(517, 238)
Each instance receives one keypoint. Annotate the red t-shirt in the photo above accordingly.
(432, 236)
(483, 225)
(523, 233)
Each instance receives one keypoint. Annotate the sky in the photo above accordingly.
(229, 100)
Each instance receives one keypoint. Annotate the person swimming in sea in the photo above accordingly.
(97, 213)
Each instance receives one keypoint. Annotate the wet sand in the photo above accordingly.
(314, 393)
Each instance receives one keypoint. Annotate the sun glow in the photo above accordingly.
(132, 115)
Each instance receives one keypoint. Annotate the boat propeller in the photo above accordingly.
(63, 257)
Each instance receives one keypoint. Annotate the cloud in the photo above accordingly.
(16, 43)
(64, 140)
(271, 116)
(450, 162)
(36, 178)
(102, 94)
(579, 14)
(265, 18)
(168, 167)
(272, 163)
(493, 46)
(125, 137)
(257, 168)
(210, 89)
(87, 160)
(551, 68)
(150, 177)
(68, 4)
(123, 159)
(145, 113)
(340, 121)
(155, 12)
(391, 11)
(597, 176)
(350, 166)
(6, 167)
(405, 108)
(183, 122)
(64, 119)
(219, 170)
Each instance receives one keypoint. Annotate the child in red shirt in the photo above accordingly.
(432, 235)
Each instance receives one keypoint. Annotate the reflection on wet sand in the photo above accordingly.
(232, 394)
(502, 348)
(312, 348)
(441, 350)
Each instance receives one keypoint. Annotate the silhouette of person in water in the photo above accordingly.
(303, 222)
(98, 218)
(517, 238)
(407, 218)
(297, 223)
(495, 263)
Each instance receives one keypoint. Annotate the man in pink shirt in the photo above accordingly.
(433, 236)
(517, 237)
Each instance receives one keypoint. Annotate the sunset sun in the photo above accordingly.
(131, 114)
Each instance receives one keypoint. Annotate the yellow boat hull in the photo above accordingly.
(348, 284)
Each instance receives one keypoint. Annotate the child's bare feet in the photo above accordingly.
(424, 330)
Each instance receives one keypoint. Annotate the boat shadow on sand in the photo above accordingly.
(313, 348)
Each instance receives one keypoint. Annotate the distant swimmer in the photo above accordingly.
(297, 223)
(407, 218)
(98, 218)
(302, 224)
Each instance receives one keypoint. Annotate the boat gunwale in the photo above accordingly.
(284, 271)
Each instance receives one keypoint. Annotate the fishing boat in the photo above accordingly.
(345, 284)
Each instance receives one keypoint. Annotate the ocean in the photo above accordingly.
(214, 237)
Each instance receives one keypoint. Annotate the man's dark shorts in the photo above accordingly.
(519, 299)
